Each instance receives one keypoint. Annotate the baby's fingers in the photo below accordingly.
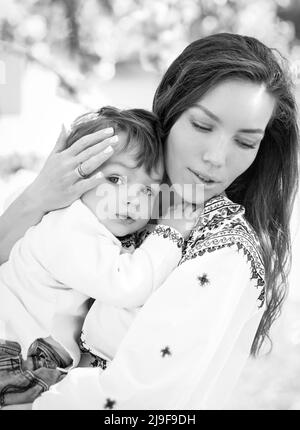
(191, 214)
(197, 215)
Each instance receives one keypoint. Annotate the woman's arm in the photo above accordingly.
(23, 213)
(186, 347)
(57, 185)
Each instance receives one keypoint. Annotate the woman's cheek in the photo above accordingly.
(244, 161)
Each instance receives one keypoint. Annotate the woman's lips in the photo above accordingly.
(204, 179)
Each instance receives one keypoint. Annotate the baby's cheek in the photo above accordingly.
(147, 206)
(90, 199)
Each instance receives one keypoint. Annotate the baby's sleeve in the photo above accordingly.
(85, 256)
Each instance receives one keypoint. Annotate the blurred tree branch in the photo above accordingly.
(71, 10)
(64, 81)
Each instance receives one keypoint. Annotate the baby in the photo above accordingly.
(75, 253)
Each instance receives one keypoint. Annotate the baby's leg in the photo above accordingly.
(22, 381)
(54, 352)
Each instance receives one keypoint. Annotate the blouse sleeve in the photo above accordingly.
(185, 349)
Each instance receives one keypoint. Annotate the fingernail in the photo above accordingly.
(114, 139)
(99, 175)
(108, 150)
(108, 130)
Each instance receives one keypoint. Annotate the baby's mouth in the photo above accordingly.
(125, 218)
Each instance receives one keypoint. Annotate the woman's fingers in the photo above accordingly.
(94, 156)
(61, 141)
(89, 166)
(97, 149)
(91, 139)
(87, 184)
(95, 162)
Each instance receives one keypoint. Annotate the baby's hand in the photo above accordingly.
(182, 217)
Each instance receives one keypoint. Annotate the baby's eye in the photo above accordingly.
(115, 180)
(148, 192)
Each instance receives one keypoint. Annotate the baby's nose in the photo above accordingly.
(133, 200)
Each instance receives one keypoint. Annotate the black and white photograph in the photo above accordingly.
(149, 207)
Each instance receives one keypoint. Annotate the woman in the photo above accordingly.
(229, 122)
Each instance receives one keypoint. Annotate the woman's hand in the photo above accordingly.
(59, 183)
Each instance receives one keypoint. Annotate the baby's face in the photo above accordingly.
(123, 202)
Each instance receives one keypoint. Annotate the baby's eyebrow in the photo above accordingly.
(126, 166)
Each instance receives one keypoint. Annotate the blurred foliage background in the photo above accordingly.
(59, 58)
(85, 41)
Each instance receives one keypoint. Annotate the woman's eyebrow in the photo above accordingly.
(208, 112)
(217, 119)
(252, 130)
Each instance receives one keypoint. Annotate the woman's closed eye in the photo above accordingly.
(201, 127)
(246, 145)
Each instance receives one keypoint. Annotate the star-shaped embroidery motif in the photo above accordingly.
(203, 280)
(109, 404)
(165, 351)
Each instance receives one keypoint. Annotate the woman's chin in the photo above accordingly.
(191, 193)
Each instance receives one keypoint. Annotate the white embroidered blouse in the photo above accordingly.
(190, 341)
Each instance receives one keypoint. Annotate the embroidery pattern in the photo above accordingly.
(141, 236)
(221, 225)
(128, 241)
(98, 361)
(170, 233)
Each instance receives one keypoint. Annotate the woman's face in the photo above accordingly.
(216, 140)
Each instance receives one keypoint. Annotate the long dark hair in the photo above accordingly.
(267, 188)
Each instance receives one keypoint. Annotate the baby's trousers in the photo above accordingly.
(22, 381)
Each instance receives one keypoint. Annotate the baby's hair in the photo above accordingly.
(142, 129)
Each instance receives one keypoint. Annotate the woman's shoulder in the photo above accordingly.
(223, 224)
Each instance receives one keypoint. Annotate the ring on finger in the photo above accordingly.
(81, 172)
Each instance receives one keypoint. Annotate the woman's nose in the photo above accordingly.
(215, 152)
